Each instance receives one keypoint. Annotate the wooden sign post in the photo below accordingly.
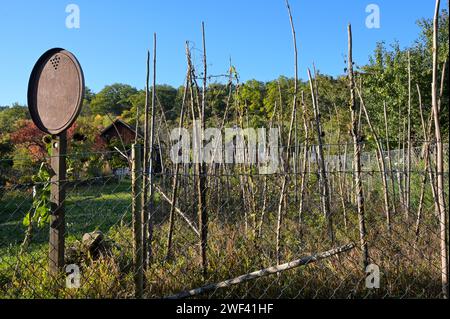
(57, 198)
(55, 98)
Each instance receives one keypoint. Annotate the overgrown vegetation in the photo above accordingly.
(240, 221)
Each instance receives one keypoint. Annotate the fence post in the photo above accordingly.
(138, 253)
(57, 198)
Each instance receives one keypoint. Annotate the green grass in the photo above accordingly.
(88, 207)
(407, 271)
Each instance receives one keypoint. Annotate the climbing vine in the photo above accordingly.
(41, 208)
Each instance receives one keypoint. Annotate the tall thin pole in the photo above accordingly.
(340, 170)
(177, 169)
(151, 149)
(305, 162)
(355, 110)
(286, 166)
(138, 260)
(325, 195)
(440, 207)
(144, 203)
(388, 150)
(202, 180)
(408, 156)
(381, 165)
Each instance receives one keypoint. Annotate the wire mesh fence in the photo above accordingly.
(259, 244)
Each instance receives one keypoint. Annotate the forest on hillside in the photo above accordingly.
(384, 80)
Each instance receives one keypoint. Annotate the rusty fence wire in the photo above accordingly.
(246, 232)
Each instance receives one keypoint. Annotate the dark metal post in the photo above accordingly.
(57, 198)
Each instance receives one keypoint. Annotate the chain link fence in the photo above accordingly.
(259, 244)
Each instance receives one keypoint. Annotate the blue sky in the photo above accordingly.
(114, 35)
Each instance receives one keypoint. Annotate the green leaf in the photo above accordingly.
(26, 220)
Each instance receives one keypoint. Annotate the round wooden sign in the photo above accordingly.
(56, 91)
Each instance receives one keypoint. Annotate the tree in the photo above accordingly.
(278, 92)
(167, 96)
(385, 77)
(88, 97)
(30, 137)
(217, 95)
(5, 161)
(137, 101)
(10, 116)
(166, 99)
(425, 45)
(252, 96)
(114, 99)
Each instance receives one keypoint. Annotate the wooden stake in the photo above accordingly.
(340, 171)
(408, 156)
(286, 166)
(138, 253)
(325, 196)
(57, 199)
(149, 221)
(381, 166)
(388, 150)
(145, 160)
(440, 207)
(355, 110)
(305, 163)
(176, 172)
(202, 170)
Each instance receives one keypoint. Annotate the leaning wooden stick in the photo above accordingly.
(265, 272)
(185, 218)
(285, 183)
(381, 163)
(325, 194)
(177, 169)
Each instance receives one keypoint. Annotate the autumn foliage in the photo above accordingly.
(30, 137)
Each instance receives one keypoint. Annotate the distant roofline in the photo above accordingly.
(128, 126)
